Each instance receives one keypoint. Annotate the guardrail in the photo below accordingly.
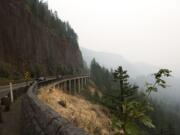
(40, 119)
(5, 90)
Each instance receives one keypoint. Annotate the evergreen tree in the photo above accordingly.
(132, 111)
(126, 89)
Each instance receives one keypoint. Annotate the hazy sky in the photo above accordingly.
(140, 30)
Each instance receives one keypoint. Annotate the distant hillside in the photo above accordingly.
(140, 72)
(110, 60)
(34, 39)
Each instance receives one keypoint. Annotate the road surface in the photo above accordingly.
(4, 90)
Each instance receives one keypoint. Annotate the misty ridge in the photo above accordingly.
(139, 72)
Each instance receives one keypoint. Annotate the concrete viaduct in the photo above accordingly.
(72, 85)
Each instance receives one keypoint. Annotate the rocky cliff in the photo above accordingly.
(30, 40)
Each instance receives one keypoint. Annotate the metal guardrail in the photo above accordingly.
(5, 90)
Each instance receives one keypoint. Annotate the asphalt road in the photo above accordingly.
(4, 90)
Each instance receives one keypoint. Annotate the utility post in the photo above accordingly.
(11, 92)
(1, 120)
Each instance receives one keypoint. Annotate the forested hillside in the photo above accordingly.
(33, 39)
(157, 117)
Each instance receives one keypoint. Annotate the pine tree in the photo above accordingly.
(126, 89)
(136, 110)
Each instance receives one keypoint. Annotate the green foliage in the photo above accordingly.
(4, 73)
(64, 70)
(133, 129)
(121, 75)
(126, 90)
(131, 110)
(60, 69)
(101, 76)
(16, 75)
(134, 110)
(7, 71)
(37, 70)
(159, 81)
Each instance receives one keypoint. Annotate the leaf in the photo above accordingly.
(162, 85)
(147, 121)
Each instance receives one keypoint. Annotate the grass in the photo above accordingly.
(93, 118)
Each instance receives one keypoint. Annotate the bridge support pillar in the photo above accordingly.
(56, 86)
(60, 86)
(82, 83)
(79, 85)
(74, 85)
(74, 89)
(69, 86)
(65, 85)
(85, 81)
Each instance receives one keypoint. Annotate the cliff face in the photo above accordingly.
(27, 44)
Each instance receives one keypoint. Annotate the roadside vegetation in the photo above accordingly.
(133, 112)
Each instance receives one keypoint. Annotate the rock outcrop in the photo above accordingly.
(26, 44)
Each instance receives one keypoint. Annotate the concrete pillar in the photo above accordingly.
(82, 84)
(55, 87)
(65, 85)
(69, 86)
(85, 81)
(74, 86)
(79, 85)
(60, 86)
